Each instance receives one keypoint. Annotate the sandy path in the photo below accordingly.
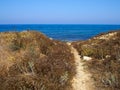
(82, 79)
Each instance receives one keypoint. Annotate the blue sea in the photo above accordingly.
(68, 32)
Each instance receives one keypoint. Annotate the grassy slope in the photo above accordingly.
(31, 61)
(105, 66)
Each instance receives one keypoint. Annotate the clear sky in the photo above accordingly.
(59, 11)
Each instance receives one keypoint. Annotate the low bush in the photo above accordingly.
(34, 62)
(105, 65)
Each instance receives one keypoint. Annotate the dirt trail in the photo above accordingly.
(82, 79)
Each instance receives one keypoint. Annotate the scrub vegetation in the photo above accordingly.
(105, 64)
(31, 61)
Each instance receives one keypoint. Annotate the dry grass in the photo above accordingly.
(105, 66)
(31, 61)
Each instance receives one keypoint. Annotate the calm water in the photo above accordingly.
(64, 32)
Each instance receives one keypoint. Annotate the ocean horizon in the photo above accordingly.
(64, 32)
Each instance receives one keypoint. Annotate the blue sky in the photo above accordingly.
(59, 11)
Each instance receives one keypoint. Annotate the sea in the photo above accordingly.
(63, 32)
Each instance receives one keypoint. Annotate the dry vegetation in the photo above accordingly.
(105, 65)
(31, 61)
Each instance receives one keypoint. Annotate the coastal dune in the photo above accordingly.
(103, 59)
(30, 60)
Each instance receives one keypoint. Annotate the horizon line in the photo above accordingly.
(55, 24)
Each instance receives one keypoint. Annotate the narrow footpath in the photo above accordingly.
(82, 79)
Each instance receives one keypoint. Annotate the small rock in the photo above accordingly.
(86, 58)
(107, 56)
